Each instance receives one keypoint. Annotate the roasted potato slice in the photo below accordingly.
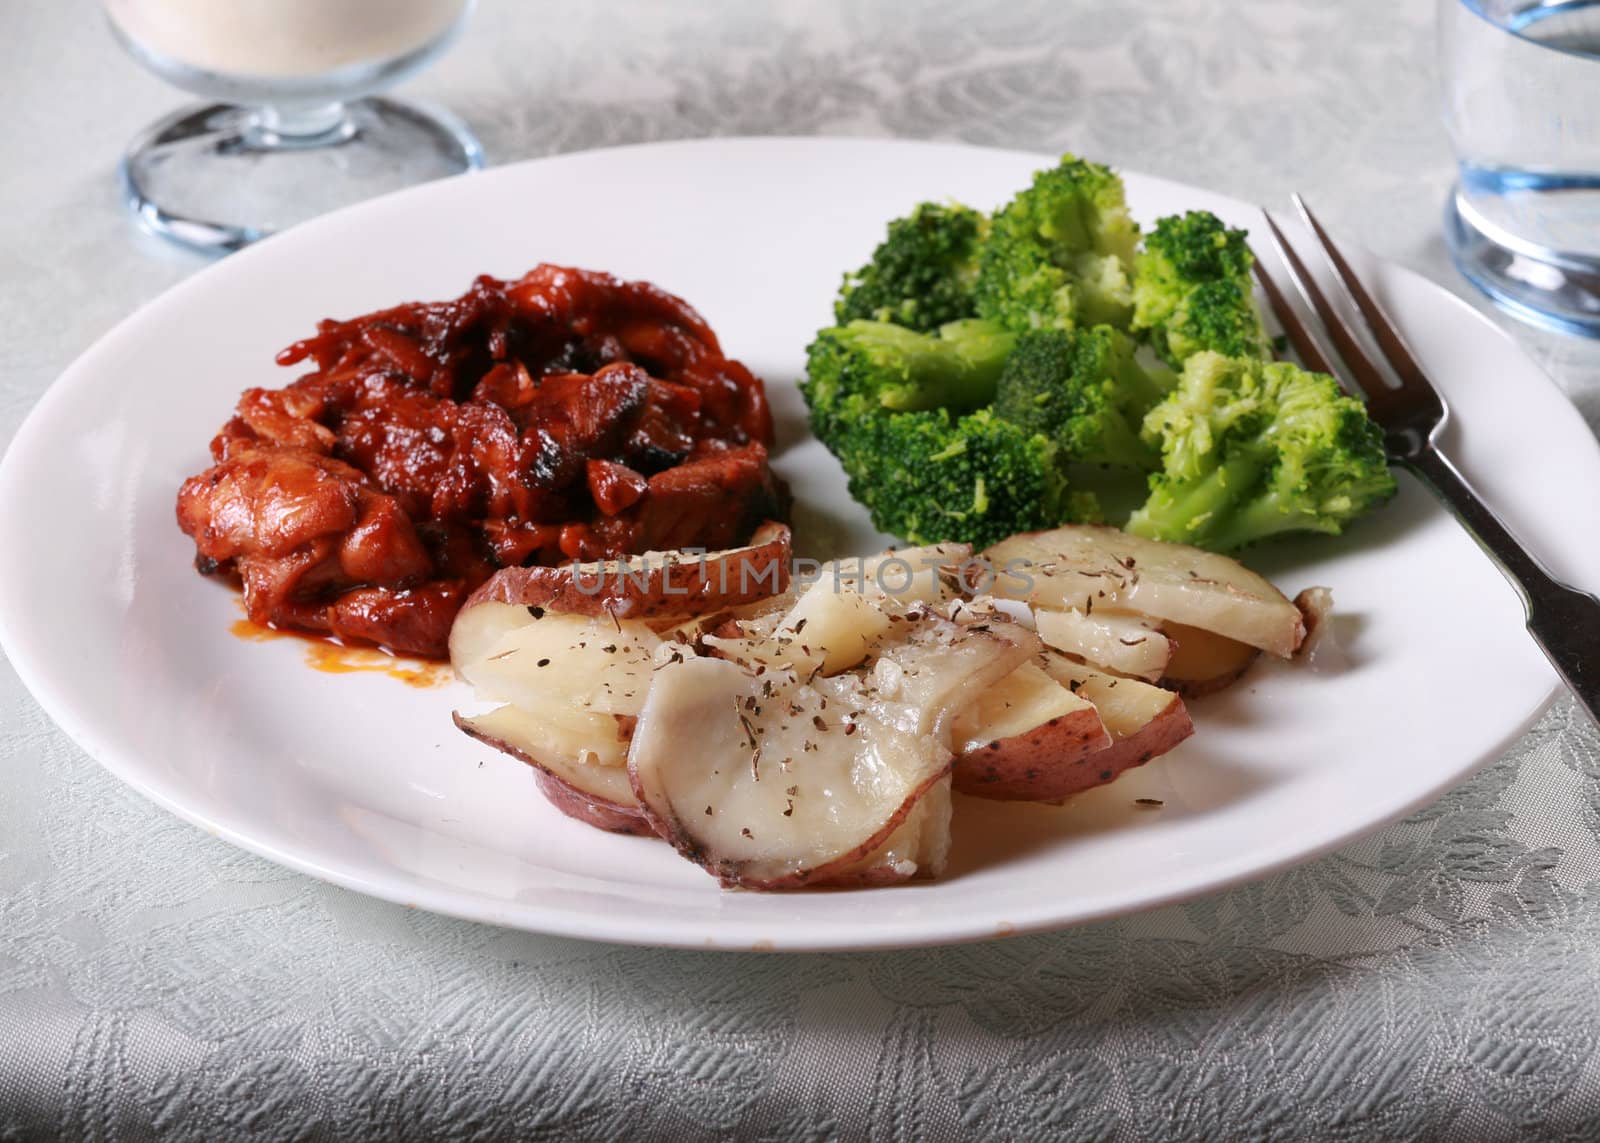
(654, 585)
(596, 794)
(1144, 721)
(567, 649)
(1084, 567)
(774, 781)
(1204, 662)
(1125, 644)
(1022, 737)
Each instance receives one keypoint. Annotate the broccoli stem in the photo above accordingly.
(1266, 516)
(958, 370)
(1142, 388)
(1196, 512)
(955, 369)
(1120, 444)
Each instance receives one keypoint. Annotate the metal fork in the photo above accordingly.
(1564, 621)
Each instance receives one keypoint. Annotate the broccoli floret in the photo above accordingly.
(931, 476)
(889, 403)
(1192, 290)
(921, 275)
(1219, 316)
(1060, 254)
(1084, 390)
(1251, 449)
(900, 369)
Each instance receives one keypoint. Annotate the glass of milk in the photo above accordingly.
(291, 127)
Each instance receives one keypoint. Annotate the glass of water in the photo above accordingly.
(1521, 82)
(294, 128)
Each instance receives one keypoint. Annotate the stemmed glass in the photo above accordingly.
(297, 130)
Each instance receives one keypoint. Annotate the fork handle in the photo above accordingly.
(1564, 621)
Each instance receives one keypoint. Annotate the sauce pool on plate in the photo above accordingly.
(334, 658)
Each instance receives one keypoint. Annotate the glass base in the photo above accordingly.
(218, 177)
(1541, 286)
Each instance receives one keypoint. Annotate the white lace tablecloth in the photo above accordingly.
(1440, 979)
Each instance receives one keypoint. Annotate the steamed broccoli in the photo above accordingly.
(921, 275)
(1192, 290)
(1060, 254)
(1219, 316)
(930, 476)
(888, 402)
(1085, 391)
(1251, 449)
(901, 369)
(980, 363)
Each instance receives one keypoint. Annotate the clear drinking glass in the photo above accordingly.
(1521, 82)
(297, 131)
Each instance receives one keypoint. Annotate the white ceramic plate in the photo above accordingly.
(363, 781)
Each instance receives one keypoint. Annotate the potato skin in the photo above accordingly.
(672, 588)
(601, 813)
(1038, 766)
(1199, 688)
(608, 816)
(1152, 740)
(1316, 609)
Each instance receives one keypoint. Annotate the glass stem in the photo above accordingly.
(302, 125)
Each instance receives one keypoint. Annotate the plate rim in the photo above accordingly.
(757, 935)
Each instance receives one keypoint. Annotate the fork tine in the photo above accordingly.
(1366, 373)
(1311, 355)
(1389, 340)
